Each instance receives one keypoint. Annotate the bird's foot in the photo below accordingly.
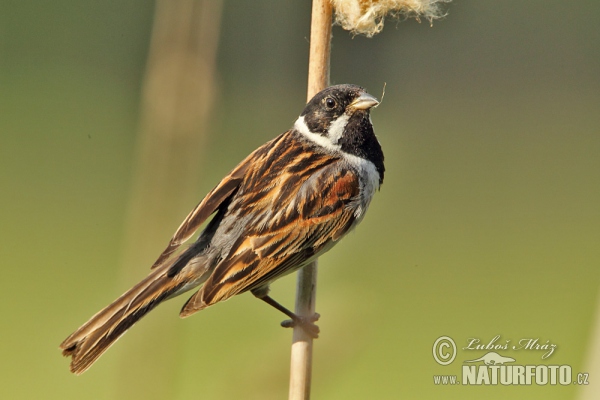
(306, 323)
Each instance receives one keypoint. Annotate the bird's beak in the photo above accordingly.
(364, 102)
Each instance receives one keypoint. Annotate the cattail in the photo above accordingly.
(366, 16)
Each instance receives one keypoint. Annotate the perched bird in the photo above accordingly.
(287, 203)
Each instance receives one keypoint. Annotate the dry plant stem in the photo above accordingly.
(318, 79)
(302, 343)
(320, 47)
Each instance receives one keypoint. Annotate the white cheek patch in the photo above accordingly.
(324, 141)
(336, 129)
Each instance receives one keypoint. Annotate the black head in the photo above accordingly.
(334, 102)
(337, 118)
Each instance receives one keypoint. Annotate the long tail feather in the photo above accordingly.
(93, 338)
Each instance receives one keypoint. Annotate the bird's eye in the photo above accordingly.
(329, 102)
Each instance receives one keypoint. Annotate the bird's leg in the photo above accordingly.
(307, 323)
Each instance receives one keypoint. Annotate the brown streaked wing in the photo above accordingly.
(213, 200)
(314, 215)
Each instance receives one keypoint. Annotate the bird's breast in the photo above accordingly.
(369, 179)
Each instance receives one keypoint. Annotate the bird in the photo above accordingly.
(284, 205)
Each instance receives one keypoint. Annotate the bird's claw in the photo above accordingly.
(306, 323)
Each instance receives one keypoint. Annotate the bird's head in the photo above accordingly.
(331, 111)
(337, 119)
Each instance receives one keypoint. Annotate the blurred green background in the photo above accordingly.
(488, 222)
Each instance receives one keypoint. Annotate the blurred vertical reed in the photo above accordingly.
(592, 359)
(177, 95)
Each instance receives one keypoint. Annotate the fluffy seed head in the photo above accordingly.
(366, 16)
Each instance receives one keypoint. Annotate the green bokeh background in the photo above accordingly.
(488, 221)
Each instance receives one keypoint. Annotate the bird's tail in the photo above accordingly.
(93, 338)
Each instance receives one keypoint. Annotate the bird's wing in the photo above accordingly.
(212, 201)
(306, 208)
